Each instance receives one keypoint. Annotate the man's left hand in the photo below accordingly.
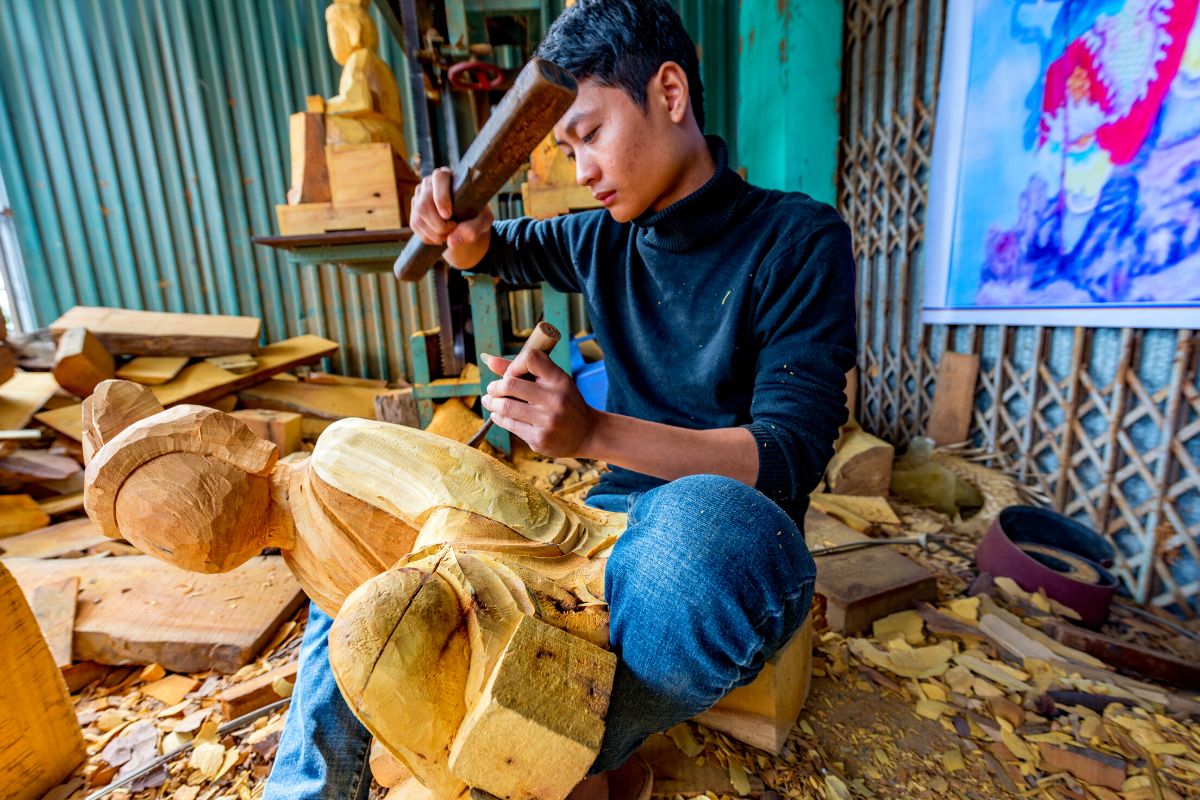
(545, 409)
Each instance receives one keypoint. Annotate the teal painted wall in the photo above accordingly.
(789, 79)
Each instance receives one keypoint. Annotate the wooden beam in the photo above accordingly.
(860, 587)
(40, 740)
(22, 396)
(152, 370)
(161, 333)
(1128, 656)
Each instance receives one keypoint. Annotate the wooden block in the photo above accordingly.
(861, 586)
(20, 513)
(283, 428)
(953, 398)
(762, 713)
(242, 698)
(1089, 766)
(8, 363)
(310, 176)
(40, 739)
(345, 380)
(323, 401)
(162, 333)
(324, 218)
(73, 537)
(362, 175)
(53, 605)
(81, 673)
(138, 610)
(22, 396)
(541, 713)
(152, 370)
(81, 361)
(861, 465)
(399, 407)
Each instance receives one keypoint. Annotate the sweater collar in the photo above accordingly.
(692, 221)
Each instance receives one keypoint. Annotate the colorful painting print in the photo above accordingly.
(1066, 180)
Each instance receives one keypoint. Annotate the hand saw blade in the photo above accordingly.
(441, 287)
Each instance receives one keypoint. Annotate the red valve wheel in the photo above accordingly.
(476, 76)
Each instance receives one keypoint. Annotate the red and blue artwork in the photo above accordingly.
(1077, 179)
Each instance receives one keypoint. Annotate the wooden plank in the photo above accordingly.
(152, 370)
(1089, 766)
(861, 586)
(203, 383)
(40, 739)
(53, 605)
(953, 398)
(63, 504)
(68, 538)
(30, 466)
(762, 713)
(242, 698)
(138, 610)
(1129, 657)
(81, 362)
(8, 363)
(324, 401)
(22, 396)
(162, 333)
(20, 513)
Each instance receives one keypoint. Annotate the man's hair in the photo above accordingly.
(621, 44)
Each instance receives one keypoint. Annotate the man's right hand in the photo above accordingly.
(467, 241)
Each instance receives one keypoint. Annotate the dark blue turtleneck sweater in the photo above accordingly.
(732, 307)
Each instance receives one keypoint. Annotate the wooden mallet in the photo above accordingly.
(541, 93)
(543, 338)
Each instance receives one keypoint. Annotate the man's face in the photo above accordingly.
(623, 153)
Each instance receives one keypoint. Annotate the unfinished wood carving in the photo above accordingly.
(349, 158)
(470, 633)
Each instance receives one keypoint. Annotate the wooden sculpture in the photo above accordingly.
(470, 628)
(349, 158)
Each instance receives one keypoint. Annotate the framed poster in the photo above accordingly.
(1065, 184)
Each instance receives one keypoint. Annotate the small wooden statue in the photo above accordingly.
(349, 156)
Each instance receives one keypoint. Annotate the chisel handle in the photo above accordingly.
(541, 93)
(544, 337)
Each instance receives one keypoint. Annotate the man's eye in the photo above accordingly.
(588, 139)
(570, 156)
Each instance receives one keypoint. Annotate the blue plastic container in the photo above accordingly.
(592, 379)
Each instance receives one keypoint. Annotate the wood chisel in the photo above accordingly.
(543, 338)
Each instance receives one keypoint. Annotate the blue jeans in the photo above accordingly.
(709, 580)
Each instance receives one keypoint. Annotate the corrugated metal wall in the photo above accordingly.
(143, 142)
(1106, 422)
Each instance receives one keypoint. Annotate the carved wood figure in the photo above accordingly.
(470, 633)
(349, 156)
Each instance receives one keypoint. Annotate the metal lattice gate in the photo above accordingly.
(1105, 421)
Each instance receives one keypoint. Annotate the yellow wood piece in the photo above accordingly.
(152, 370)
(22, 395)
(281, 428)
(81, 362)
(538, 726)
(551, 189)
(763, 712)
(326, 401)
(324, 218)
(40, 739)
(20, 513)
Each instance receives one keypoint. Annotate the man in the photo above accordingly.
(726, 316)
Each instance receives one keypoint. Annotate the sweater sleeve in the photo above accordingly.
(529, 251)
(805, 327)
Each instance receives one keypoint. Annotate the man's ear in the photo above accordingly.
(672, 81)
